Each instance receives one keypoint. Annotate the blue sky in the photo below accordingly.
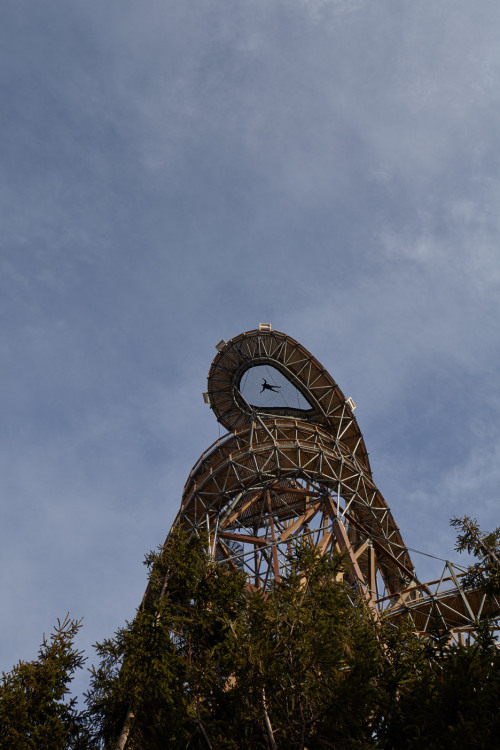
(176, 173)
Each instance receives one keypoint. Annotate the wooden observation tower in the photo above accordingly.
(293, 470)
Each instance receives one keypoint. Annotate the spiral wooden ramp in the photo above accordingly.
(292, 474)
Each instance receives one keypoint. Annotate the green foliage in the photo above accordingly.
(441, 696)
(485, 573)
(208, 663)
(168, 670)
(309, 659)
(34, 712)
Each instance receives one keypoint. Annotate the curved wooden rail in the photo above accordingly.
(300, 455)
(330, 408)
(286, 476)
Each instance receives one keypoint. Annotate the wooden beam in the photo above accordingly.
(274, 549)
(310, 512)
(241, 509)
(372, 570)
(361, 549)
(243, 538)
(325, 541)
(345, 544)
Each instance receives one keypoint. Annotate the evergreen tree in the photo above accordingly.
(165, 676)
(206, 664)
(209, 663)
(307, 664)
(34, 710)
(440, 695)
(485, 572)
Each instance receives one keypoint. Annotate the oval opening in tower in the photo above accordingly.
(265, 387)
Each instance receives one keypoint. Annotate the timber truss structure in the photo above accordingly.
(286, 476)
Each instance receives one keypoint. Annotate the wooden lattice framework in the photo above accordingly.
(286, 476)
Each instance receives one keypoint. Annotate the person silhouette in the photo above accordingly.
(267, 387)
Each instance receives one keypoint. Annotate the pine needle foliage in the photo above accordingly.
(441, 695)
(207, 664)
(485, 572)
(307, 666)
(168, 670)
(35, 712)
(210, 662)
